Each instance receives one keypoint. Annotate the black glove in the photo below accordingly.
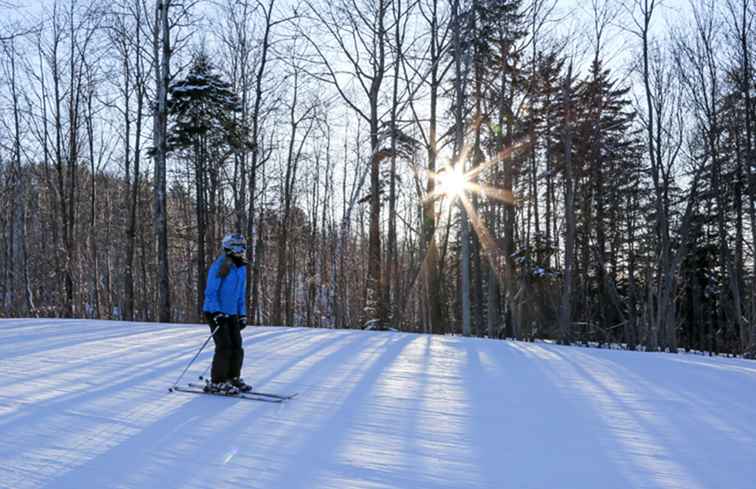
(217, 318)
(242, 322)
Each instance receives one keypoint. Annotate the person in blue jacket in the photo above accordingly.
(226, 312)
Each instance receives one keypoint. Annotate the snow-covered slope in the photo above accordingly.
(84, 404)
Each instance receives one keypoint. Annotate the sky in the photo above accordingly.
(573, 19)
(574, 23)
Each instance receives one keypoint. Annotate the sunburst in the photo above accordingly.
(452, 182)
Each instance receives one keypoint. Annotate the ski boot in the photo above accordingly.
(239, 383)
(224, 388)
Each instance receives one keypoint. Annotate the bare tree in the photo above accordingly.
(161, 45)
(699, 68)
(257, 157)
(658, 316)
(297, 117)
(461, 69)
(73, 29)
(126, 35)
(347, 24)
(18, 294)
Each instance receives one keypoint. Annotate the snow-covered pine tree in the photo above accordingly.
(205, 132)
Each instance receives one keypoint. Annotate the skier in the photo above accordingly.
(225, 309)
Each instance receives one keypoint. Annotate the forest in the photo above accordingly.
(581, 172)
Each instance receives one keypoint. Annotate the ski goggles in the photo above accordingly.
(238, 249)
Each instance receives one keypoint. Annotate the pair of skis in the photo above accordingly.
(200, 389)
(249, 396)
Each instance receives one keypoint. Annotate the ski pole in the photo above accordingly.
(193, 359)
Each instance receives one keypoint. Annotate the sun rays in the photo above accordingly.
(452, 181)
(453, 184)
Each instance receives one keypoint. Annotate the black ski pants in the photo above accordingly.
(229, 354)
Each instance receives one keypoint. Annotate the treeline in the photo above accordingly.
(607, 201)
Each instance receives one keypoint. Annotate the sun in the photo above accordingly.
(452, 181)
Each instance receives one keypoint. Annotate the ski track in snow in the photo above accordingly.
(85, 404)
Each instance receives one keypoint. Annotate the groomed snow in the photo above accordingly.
(84, 404)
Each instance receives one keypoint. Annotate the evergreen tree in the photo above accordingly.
(206, 132)
(495, 28)
(543, 116)
(608, 148)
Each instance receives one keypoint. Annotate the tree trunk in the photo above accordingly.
(374, 307)
(565, 307)
(391, 249)
(253, 257)
(93, 205)
(17, 288)
(133, 185)
(460, 72)
(162, 69)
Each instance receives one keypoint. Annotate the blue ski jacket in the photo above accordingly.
(226, 294)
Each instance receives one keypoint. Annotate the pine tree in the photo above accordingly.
(544, 93)
(494, 31)
(609, 151)
(205, 130)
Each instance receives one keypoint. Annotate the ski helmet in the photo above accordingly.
(235, 244)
